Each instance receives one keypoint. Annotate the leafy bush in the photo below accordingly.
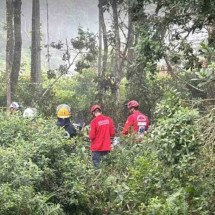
(25, 201)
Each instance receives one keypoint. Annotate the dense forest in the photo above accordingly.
(107, 52)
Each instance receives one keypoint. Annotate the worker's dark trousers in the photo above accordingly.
(96, 157)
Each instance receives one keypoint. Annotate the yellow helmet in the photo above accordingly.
(63, 111)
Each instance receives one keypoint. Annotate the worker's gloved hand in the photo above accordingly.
(115, 141)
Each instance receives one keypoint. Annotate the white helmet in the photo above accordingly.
(15, 105)
(30, 113)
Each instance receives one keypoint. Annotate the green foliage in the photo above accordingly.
(41, 172)
(146, 179)
(176, 135)
(77, 91)
(174, 204)
(148, 90)
(170, 103)
(85, 42)
(25, 201)
(171, 172)
(149, 49)
(177, 139)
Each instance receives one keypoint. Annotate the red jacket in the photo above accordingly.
(132, 122)
(101, 131)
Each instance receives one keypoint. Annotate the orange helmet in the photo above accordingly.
(94, 107)
(132, 104)
(63, 111)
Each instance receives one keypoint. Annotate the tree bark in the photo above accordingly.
(100, 81)
(48, 38)
(128, 53)
(117, 71)
(17, 46)
(100, 42)
(9, 47)
(211, 38)
(103, 54)
(36, 76)
(105, 42)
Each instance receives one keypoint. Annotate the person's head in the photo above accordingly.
(132, 106)
(63, 111)
(96, 110)
(14, 107)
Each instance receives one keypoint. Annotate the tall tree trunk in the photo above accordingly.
(105, 43)
(211, 58)
(48, 38)
(36, 76)
(100, 42)
(17, 46)
(100, 81)
(130, 37)
(211, 36)
(117, 50)
(103, 55)
(9, 47)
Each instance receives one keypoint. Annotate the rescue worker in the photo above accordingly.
(101, 131)
(14, 107)
(63, 116)
(137, 122)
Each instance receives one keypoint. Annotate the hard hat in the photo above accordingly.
(63, 111)
(132, 104)
(15, 105)
(94, 107)
(30, 113)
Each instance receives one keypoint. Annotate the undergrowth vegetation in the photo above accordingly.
(170, 172)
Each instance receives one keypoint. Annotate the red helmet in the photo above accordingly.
(132, 104)
(94, 107)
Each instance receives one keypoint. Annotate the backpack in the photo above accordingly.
(141, 123)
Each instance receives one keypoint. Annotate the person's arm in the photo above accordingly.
(71, 130)
(128, 124)
(112, 129)
(92, 132)
(147, 123)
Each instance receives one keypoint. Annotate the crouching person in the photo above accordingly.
(101, 131)
(63, 120)
(14, 108)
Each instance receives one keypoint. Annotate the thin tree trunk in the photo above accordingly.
(100, 81)
(9, 47)
(36, 76)
(17, 46)
(117, 50)
(211, 36)
(211, 58)
(103, 56)
(128, 52)
(105, 42)
(48, 38)
(100, 42)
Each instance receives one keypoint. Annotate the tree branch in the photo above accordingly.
(53, 83)
(170, 69)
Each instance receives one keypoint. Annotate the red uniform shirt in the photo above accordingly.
(101, 131)
(132, 122)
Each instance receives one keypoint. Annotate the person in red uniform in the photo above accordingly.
(137, 122)
(101, 131)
